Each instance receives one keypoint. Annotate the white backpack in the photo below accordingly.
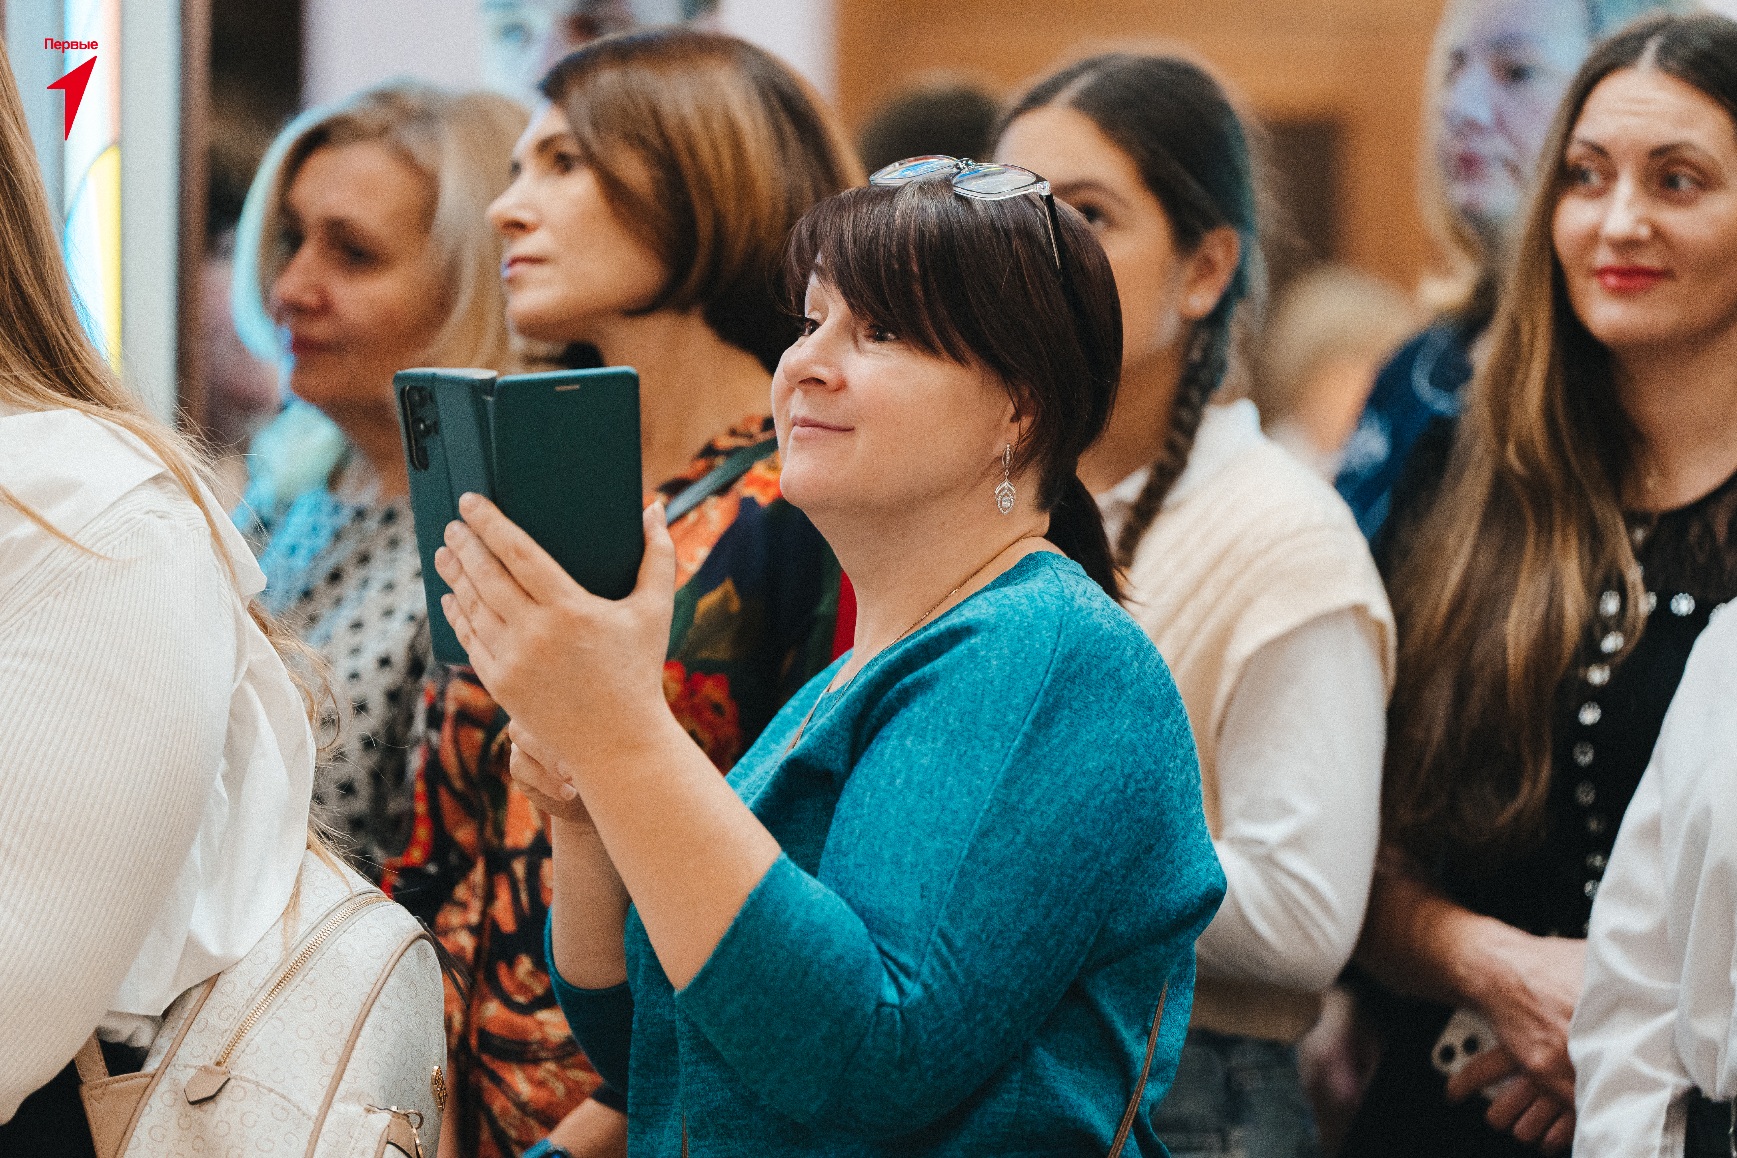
(325, 1041)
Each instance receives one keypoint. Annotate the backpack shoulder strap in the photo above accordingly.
(736, 464)
(113, 1106)
(1133, 1109)
(90, 1062)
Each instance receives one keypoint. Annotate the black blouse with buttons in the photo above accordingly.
(1608, 714)
(1608, 717)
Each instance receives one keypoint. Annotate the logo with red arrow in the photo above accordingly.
(73, 85)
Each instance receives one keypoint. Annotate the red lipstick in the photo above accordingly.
(1629, 279)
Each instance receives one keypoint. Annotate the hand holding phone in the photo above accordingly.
(1467, 1034)
(557, 452)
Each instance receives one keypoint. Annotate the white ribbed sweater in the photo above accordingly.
(154, 764)
(1261, 596)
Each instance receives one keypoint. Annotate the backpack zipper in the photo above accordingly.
(208, 1080)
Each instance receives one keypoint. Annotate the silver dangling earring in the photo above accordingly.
(1005, 494)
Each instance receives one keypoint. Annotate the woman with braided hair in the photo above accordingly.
(1246, 570)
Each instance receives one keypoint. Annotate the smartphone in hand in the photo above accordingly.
(558, 452)
(1467, 1034)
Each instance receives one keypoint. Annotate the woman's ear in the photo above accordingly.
(1207, 272)
(1019, 419)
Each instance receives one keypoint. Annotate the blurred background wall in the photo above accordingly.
(1338, 85)
(351, 44)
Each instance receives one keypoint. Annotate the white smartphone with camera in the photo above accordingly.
(1467, 1034)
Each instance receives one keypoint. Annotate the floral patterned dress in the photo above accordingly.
(757, 613)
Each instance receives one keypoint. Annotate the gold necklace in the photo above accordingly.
(918, 622)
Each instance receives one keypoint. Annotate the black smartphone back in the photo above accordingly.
(558, 453)
(567, 470)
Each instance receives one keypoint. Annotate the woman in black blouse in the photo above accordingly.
(1550, 592)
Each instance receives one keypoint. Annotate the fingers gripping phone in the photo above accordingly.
(1467, 1034)
(557, 452)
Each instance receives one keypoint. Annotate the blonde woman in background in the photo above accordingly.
(365, 241)
(158, 756)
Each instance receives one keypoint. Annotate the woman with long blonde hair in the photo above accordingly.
(363, 248)
(1549, 595)
(159, 758)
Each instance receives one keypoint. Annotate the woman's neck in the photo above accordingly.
(1139, 424)
(1683, 404)
(904, 565)
(693, 385)
(377, 452)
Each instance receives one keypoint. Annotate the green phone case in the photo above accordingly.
(558, 453)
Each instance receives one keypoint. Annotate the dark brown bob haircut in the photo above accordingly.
(976, 282)
(708, 149)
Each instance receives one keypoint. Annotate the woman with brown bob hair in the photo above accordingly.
(650, 202)
(1548, 596)
(946, 903)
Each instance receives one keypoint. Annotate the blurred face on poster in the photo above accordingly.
(523, 39)
(1505, 67)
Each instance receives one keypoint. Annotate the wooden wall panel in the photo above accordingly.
(1357, 62)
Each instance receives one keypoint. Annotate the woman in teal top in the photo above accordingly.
(947, 903)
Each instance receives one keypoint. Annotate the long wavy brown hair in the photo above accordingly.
(1494, 585)
(47, 361)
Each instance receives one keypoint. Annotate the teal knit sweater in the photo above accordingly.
(994, 859)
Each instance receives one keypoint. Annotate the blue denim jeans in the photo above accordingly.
(1236, 1097)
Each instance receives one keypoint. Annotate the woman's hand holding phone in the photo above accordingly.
(1519, 1105)
(583, 677)
(1529, 1002)
(577, 672)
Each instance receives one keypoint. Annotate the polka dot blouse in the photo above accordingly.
(348, 579)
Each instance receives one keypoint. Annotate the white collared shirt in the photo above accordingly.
(1656, 1016)
(155, 757)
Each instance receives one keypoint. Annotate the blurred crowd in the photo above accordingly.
(1415, 832)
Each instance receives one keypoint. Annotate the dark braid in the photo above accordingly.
(1170, 118)
(1207, 363)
